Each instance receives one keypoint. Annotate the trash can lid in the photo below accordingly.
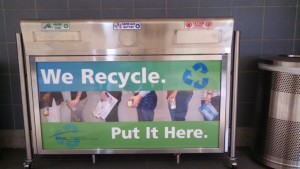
(282, 63)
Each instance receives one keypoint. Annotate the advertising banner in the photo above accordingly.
(129, 104)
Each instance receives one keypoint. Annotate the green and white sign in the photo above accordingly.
(129, 104)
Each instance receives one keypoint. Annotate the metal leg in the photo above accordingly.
(94, 159)
(178, 158)
(232, 158)
(28, 162)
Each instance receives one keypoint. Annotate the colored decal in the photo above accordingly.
(126, 25)
(202, 24)
(55, 26)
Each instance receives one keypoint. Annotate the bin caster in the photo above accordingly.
(232, 163)
(27, 165)
(234, 166)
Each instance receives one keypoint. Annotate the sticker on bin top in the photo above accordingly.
(55, 26)
(127, 25)
(200, 24)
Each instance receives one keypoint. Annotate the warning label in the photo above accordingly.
(127, 25)
(202, 24)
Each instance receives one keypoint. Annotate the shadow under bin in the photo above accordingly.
(277, 120)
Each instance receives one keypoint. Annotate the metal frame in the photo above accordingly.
(223, 125)
(29, 158)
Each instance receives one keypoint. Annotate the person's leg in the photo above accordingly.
(216, 101)
(182, 102)
(172, 113)
(66, 112)
(146, 107)
(113, 115)
(77, 110)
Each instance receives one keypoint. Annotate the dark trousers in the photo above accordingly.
(146, 107)
(215, 101)
(113, 115)
(182, 102)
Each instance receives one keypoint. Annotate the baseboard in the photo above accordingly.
(12, 139)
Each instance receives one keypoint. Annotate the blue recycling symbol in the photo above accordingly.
(187, 76)
(138, 26)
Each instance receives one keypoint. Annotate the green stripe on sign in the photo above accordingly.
(130, 135)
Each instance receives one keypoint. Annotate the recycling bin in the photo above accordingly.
(276, 143)
(106, 86)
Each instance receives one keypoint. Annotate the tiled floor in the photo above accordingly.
(13, 159)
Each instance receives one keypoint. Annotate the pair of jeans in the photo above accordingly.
(182, 100)
(146, 107)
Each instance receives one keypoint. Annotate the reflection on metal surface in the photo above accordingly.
(291, 56)
(293, 70)
(206, 36)
(128, 38)
(127, 58)
(56, 36)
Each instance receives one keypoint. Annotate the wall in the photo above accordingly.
(268, 28)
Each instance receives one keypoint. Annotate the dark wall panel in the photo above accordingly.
(268, 28)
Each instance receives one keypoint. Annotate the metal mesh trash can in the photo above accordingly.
(277, 138)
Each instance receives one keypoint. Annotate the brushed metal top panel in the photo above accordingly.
(155, 36)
